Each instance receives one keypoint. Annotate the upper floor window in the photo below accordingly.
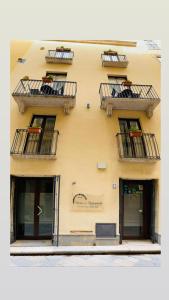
(117, 79)
(57, 75)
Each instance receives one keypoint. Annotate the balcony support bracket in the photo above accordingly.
(21, 107)
(66, 108)
(109, 109)
(149, 112)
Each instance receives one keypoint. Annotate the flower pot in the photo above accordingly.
(47, 80)
(34, 130)
(135, 133)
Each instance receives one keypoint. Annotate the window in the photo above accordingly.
(116, 82)
(117, 79)
(58, 81)
(41, 143)
(57, 76)
(133, 146)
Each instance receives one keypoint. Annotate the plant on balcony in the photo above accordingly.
(127, 83)
(35, 129)
(47, 79)
(25, 78)
(63, 49)
(135, 132)
(111, 52)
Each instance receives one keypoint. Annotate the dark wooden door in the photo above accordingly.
(34, 208)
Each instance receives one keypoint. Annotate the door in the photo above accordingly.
(133, 147)
(136, 206)
(34, 208)
(116, 83)
(41, 143)
(59, 81)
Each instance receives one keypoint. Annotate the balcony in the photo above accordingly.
(34, 145)
(116, 61)
(37, 93)
(59, 57)
(143, 148)
(134, 97)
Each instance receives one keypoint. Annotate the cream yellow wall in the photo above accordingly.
(88, 136)
(18, 49)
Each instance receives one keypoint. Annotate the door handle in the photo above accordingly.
(140, 210)
(40, 210)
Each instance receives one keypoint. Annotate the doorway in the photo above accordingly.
(137, 209)
(34, 208)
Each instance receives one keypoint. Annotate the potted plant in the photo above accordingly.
(25, 78)
(35, 129)
(135, 132)
(47, 79)
(127, 83)
(63, 49)
(111, 52)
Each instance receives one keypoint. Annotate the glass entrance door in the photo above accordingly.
(133, 225)
(34, 208)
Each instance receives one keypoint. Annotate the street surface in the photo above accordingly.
(146, 260)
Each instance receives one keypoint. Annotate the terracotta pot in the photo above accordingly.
(135, 133)
(34, 130)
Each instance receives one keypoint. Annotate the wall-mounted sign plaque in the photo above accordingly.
(86, 202)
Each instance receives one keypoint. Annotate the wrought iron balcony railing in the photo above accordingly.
(35, 145)
(133, 97)
(60, 54)
(138, 91)
(39, 93)
(34, 87)
(142, 147)
(114, 60)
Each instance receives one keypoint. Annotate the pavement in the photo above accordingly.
(144, 260)
(21, 248)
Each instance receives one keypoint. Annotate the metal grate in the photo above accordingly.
(105, 230)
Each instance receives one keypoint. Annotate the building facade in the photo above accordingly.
(85, 142)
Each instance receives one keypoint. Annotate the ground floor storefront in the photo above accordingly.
(36, 213)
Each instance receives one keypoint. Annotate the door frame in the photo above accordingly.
(56, 180)
(148, 210)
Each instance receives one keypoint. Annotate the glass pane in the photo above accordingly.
(47, 136)
(46, 208)
(133, 210)
(25, 209)
(37, 122)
